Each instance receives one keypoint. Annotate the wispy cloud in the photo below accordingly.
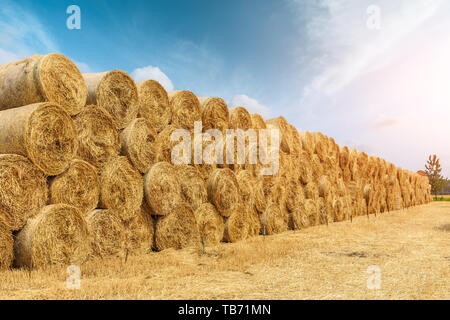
(152, 73)
(252, 105)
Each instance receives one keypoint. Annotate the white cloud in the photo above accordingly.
(252, 105)
(152, 73)
(83, 67)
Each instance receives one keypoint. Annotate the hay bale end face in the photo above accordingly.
(193, 187)
(41, 78)
(273, 220)
(215, 114)
(23, 190)
(223, 191)
(116, 92)
(57, 235)
(210, 224)
(43, 132)
(236, 226)
(6, 245)
(140, 232)
(185, 109)
(79, 186)
(121, 188)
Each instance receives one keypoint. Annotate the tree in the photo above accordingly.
(433, 170)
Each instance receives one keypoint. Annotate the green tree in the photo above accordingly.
(433, 170)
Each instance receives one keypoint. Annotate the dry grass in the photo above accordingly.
(321, 262)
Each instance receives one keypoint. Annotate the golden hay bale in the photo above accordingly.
(79, 186)
(215, 114)
(223, 191)
(334, 149)
(294, 193)
(311, 191)
(23, 190)
(246, 184)
(139, 144)
(299, 218)
(6, 244)
(324, 186)
(165, 145)
(307, 142)
(120, 188)
(210, 224)
(344, 157)
(140, 232)
(98, 138)
(43, 132)
(253, 221)
(108, 237)
(154, 104)
(285, 132)
(339, 213)
(302, 166)
(57, 235)
(177, 230)
(257, 121)
(312, 211)
(240, 119)
(325, 209)
(259, 197)
(162, 188)
(40, 78)
(320, 145)
(273, 220)
(193, 187)
(186, 109)
(296, 140)
(236, 226)
(316, 167)
(116, 92)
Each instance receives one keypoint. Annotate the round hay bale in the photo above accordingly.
(311, 191)
(285, 132)
(325, 209)
(40, 78)
(320, 145)
(57, 235)
(98, 138)
(43, 132)
(338, 210)
(334, 149)
(165, 145)
(296, 146)
(303, 167)
(108, 237)
(215, 114)
(344, 157)
(246, 183)
(259, 198)
(210, 224)
(120, 188)
(236, 226)
(253, 221)
(154, 104)
(177, 230)
(273, 220)
(140, 232)
(23, 190)
(139, 144)
(6, 244)
(185, 109)
(79, 186)
(299, 218)
(240, 119)
(193, 187)
(116, 92)
(324, 186)
(307, 142)
(210, 159)
(223, 191)
(312, 211)
(316, 167)
(258, 121)
(294, 194)
(162, 188)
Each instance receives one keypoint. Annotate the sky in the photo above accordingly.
(374, 75)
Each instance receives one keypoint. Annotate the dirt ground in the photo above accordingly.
(399, 255)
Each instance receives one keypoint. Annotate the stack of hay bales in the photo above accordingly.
(86, 170)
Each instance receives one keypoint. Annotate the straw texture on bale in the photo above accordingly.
(307, 142)
(294, 193)
(299, 217)
(6, 245)
(215, 114)
(210, 224)
(312, 211)
(186, 109)
(43, 132)
(57, 235)
(324, 186)
(52, 77)
(98, 138)
(154, 104)
(240, 119)
(273, 220)
(177, 230)
(162, 188)
(236, 226)
(79, 186)
(311, 191)
(259, 197)
(193, 187)
(23, 190)
(116, 92)
(139, 144)
(285, 132)
(165, 145)
(140, 232)
(258, 121)
(121, 188)
(223, 191)
(107, 233)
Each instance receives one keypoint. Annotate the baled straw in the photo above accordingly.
(162, 187)
(40, 78)
(259, 198)
(294, 193)
(236, 226)
(177, 230)
(139, 144)
(23, 190)
(311, 191)
(240, 119)
(121, 188)
(165, 145)
(258, 121)
(299, 218)
(324, 186)
(57, 235)
(307, 142)
(338, 210)
(43, 132)
(321, 145)
(185, 109)
(215, 114)
(107, 233)
(273, 220)
(344, 157)
(324, 206)
(253, 221)
(296, 140)
(312, 211)
(154, 104)
(6, 244)
(285, 132)
(140, 232)
(79, 186)
(98, 138)
(193, 187)
(116, 92)
(303, 167)
(246, 183)
(210, 224)
(223, 191)
(334, 149)
(316, 167)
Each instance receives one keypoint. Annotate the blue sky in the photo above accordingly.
(384, 90)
